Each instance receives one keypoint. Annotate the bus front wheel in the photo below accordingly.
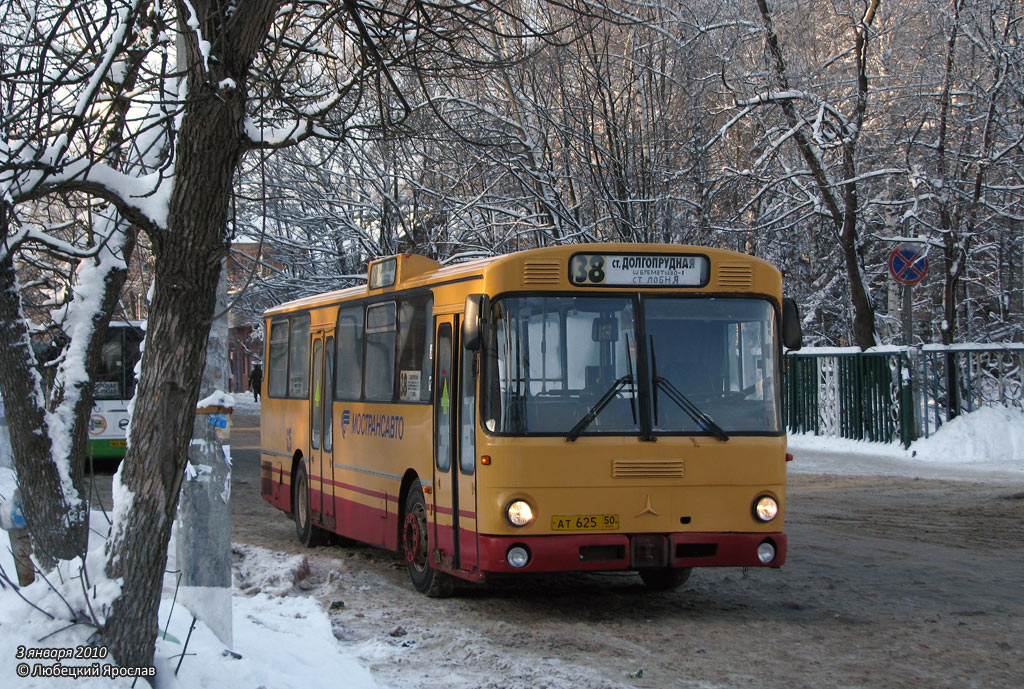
(665, 578)
(309, 534)
(416, 548)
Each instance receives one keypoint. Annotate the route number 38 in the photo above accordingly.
(588, 269)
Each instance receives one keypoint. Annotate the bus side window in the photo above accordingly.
(467, 416)
(298, 358)
(380, 352)
(349, 361)
(277, 369)
(414, 339)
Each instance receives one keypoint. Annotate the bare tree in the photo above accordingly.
(964, 151)
(52, 74)
(826, 140)
(210, 81)
(687, 122)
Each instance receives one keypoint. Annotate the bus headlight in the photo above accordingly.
(519, 513)
(766, 508)
(766, 552)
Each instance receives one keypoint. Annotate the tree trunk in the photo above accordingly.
(843, 211)
(57, 516)
(188, 263)
(54, 510)
(863, 310)
(187, 269)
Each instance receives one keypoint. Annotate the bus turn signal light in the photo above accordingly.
(485, 460)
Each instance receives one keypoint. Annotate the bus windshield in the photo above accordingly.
(115, 377)
(555, 357)
(568, 365)
(719, 353)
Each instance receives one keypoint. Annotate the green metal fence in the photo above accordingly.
(864, 396)
(897, 394)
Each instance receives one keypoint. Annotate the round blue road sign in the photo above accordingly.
(908, 264)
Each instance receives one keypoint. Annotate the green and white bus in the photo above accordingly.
(115, 385)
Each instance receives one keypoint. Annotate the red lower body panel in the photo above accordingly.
(630, 551)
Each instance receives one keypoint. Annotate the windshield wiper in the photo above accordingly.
(691, 409)
(607, 397)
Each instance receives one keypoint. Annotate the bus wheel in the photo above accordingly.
(416, 548)
(309, 535)
(665, 578)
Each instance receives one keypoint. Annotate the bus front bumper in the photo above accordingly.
(107, 449)
(631, 551)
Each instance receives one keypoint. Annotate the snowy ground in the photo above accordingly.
(267, 652)
(986, 446)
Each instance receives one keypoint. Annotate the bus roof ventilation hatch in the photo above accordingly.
(541, 272)
(735, 275)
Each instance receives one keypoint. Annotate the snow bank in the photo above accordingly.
(984, 445)
(283, 642)
(280, 641)
(984, 435)
(265, 571)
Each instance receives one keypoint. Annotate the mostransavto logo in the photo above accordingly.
(374, 425)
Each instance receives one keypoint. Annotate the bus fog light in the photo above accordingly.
(766, 552)
(519, 513)
(766, 508)
(518, 556)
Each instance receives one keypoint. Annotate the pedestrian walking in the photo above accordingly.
(255, 380)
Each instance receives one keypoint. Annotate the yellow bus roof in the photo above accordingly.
(478, 266)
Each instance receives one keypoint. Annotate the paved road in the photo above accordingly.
(890, 582)
(249, 512)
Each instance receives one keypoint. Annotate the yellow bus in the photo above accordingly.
(573, 408)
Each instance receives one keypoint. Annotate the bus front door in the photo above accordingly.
(455, 532)
(321, 440)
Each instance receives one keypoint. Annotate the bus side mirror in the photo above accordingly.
(792, 334)
(474, 319)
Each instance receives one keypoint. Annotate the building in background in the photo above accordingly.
(247, 264)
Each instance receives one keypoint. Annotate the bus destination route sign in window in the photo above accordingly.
(638, 270)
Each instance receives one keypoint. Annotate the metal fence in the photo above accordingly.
(897, 394)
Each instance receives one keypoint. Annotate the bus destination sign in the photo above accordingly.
(638, 270)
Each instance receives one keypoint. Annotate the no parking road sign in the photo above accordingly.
(908, 264)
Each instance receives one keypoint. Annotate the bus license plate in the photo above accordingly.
(584, 522)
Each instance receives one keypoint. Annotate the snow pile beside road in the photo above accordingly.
(984, 445)
(984, 435)
(283, 641)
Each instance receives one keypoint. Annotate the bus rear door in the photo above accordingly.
(455, 532)
(321, 429)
